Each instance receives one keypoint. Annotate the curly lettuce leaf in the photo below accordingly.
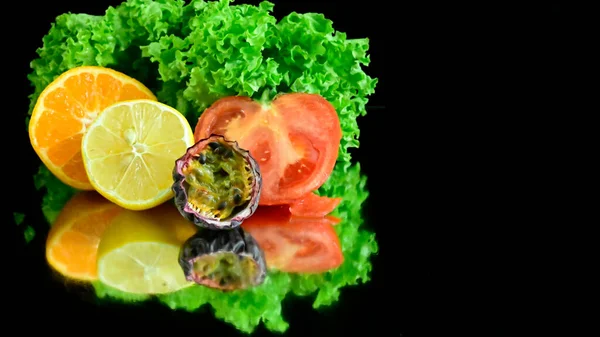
(57, 193)
(241, 50)
(357, 244)
(246, 309)
(316, 59)
(28, 232)
(18, 217)
(191, 55)
(112, 40)
(222, 55)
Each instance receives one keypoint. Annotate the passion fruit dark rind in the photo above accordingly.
(216, 183)
(226, 260)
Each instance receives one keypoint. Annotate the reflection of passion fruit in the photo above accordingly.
(226, 260)
(217, 183)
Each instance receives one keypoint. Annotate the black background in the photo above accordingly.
(448, 261)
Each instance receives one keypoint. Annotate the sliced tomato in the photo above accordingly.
(314, 205)
(295, 140)
(295, 244)
(332, 220)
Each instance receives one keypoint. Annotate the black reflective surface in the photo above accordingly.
(445, 179)
(72, 308)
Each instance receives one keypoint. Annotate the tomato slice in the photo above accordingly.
(295, 140)
(295, 244)
(313, 205)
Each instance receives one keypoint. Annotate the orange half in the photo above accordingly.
(72, 244)
(66, 108)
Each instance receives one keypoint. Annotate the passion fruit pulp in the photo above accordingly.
(216, 183)
(225, 260)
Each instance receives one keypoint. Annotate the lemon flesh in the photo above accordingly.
(139, 251)
(129, 152)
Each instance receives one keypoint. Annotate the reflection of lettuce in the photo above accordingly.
(245, 309)
(28, 232)
(191, 55)
(57, 193)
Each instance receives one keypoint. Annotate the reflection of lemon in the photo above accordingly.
(129, 152)
(139, 251)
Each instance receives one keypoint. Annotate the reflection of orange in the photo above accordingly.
(65, 109)
(72, 243)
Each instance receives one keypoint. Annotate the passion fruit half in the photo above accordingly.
(217, 183)
(225, 260)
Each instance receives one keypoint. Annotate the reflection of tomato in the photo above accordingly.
(295, 244)
(295, 140)
(314, 205)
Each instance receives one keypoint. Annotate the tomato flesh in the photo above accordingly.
(312, 205)
(295, 140)
(295, 244)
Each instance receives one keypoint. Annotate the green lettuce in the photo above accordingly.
(28, 232)
(246, 309)
(193, 54)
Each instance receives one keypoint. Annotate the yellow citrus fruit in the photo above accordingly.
(73, 240)
(65, 109)
(129, 152)
(139, 251)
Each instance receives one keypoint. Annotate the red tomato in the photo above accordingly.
(294, 139)
(314, 205)
(295, 244)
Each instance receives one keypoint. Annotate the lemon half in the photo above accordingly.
(129, 152)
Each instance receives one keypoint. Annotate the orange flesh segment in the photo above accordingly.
(76, 248)
(82, 88)
(66, 151)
